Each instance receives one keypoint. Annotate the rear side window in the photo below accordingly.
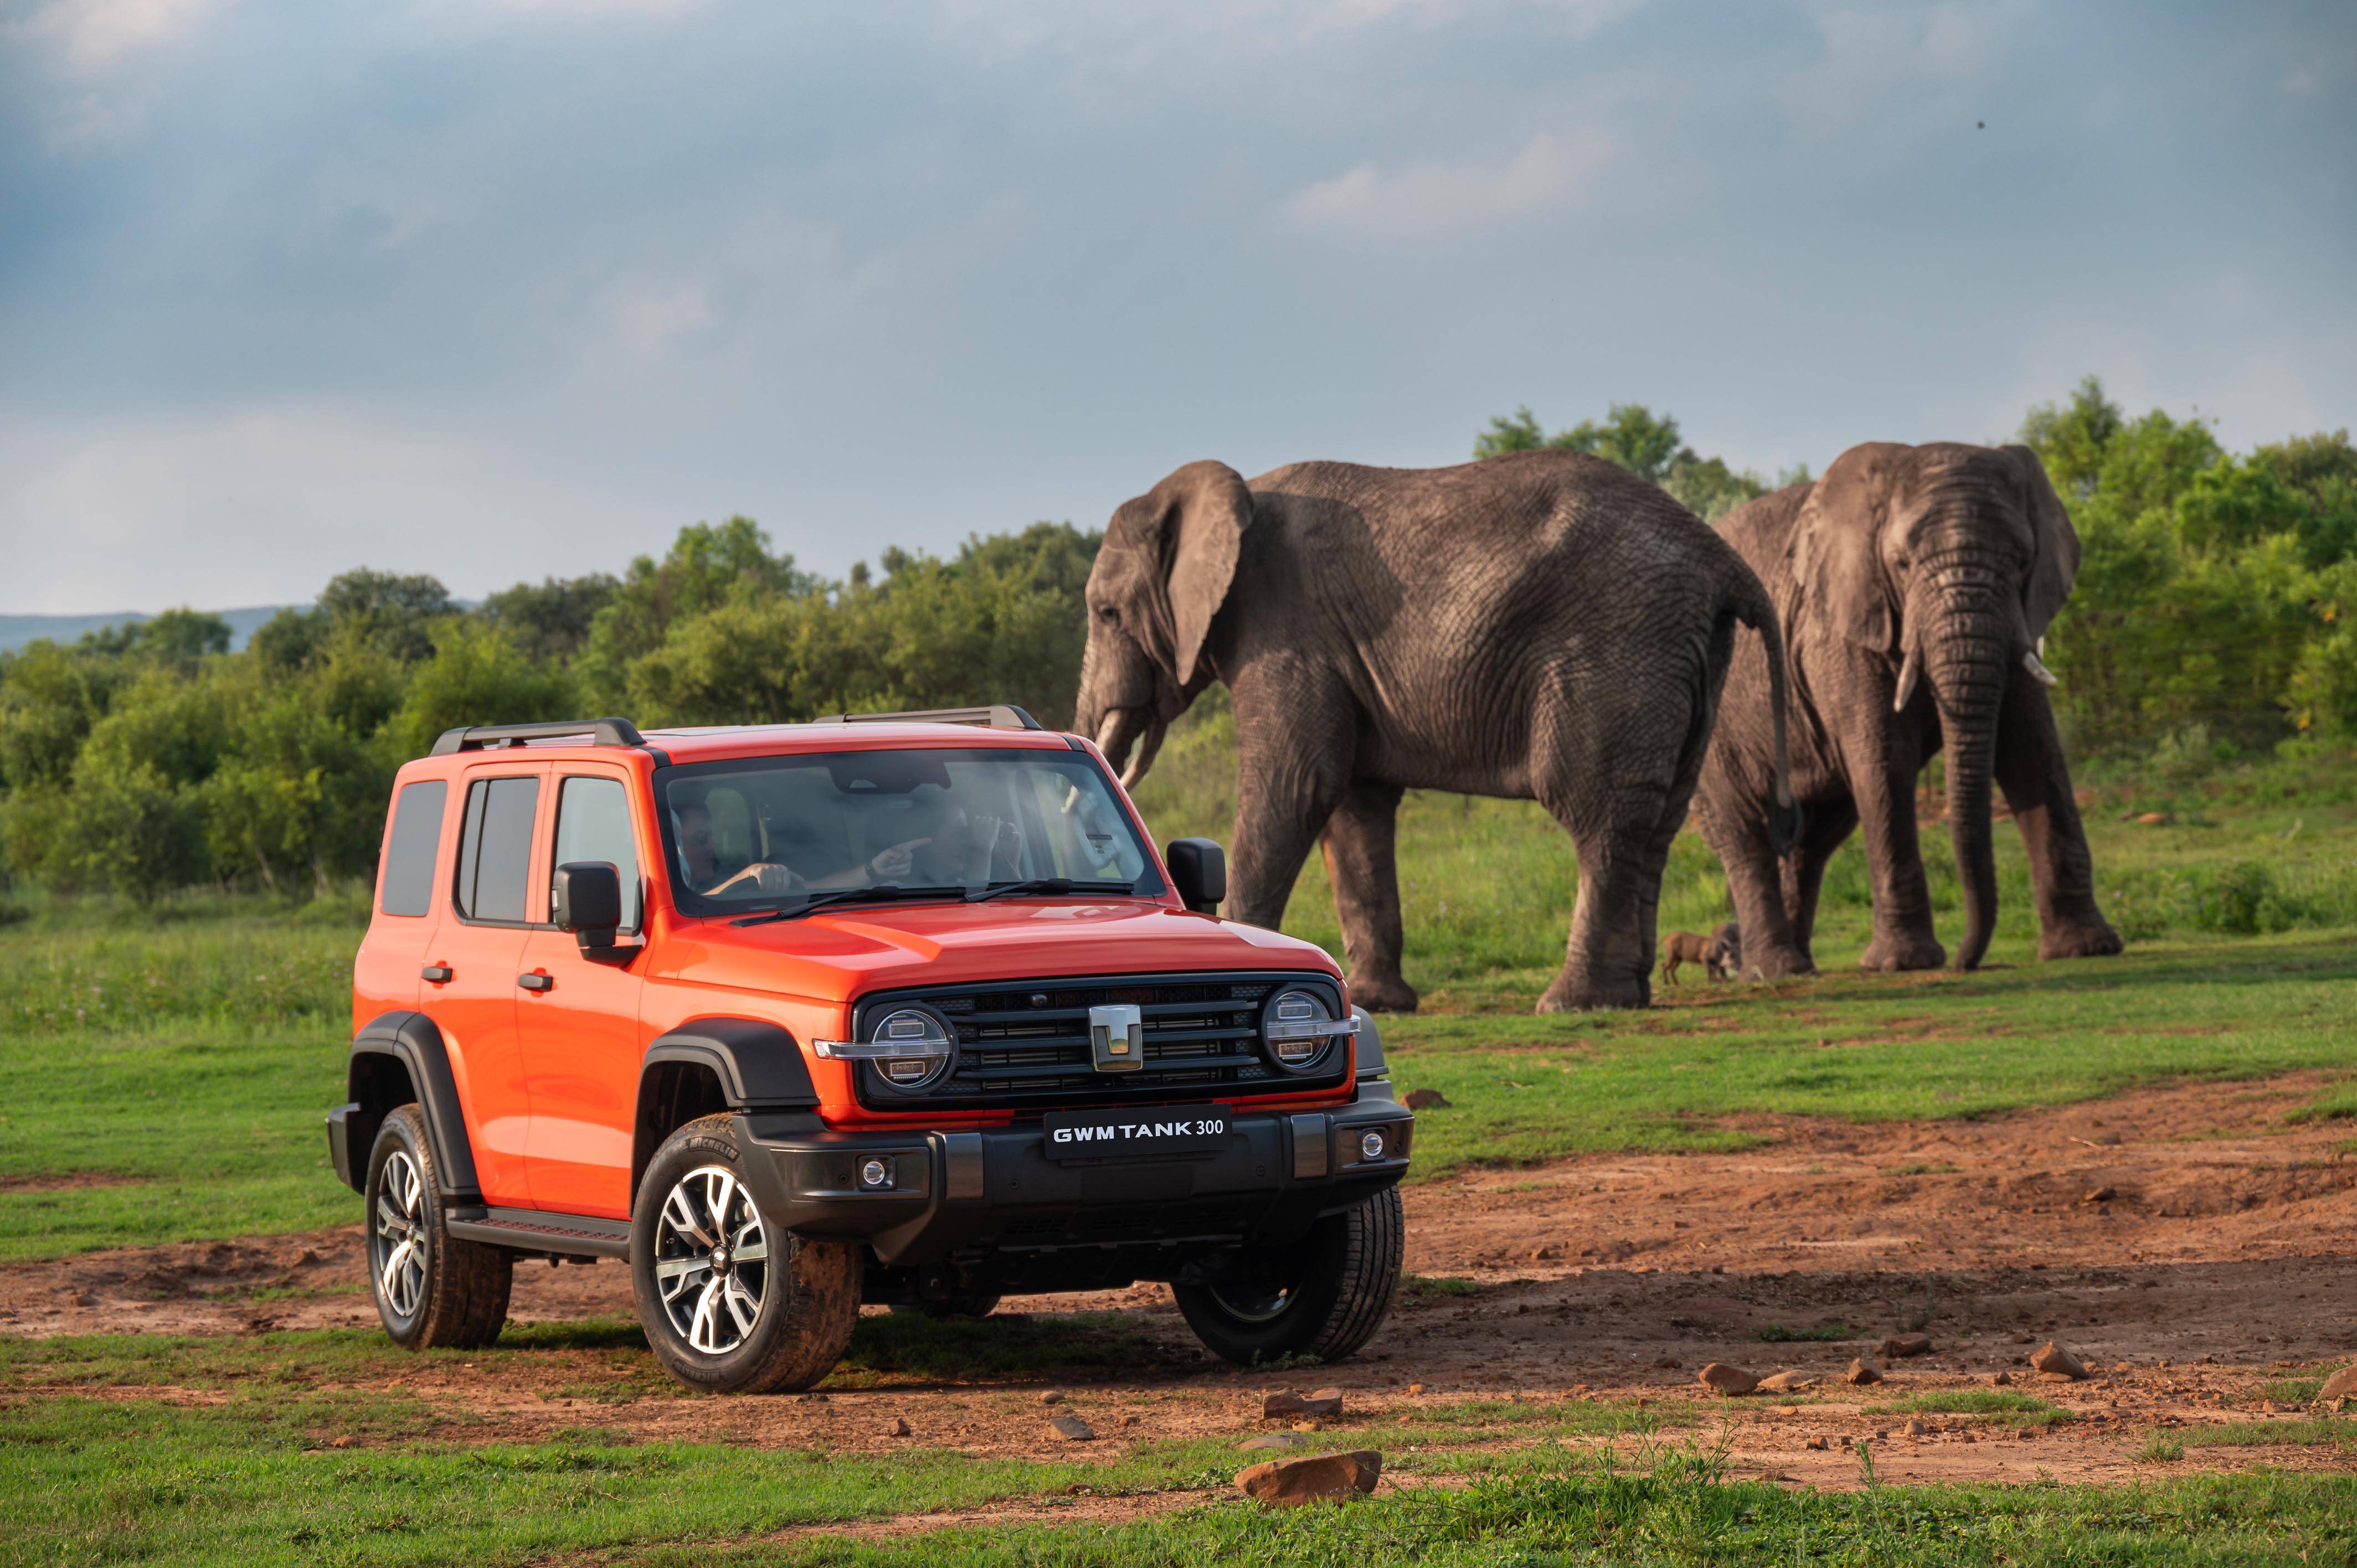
(593, 823)
(495, 848)
(409, 853)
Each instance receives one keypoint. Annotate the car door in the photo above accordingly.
(385, 974)
(580, 1026)
(474, 958)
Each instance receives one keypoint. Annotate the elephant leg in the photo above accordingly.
(1622, 796)
(1772, 947)
(1364, 870)
(1290, 776)
(1804, 872)
(2037, 783)
(1883, 783)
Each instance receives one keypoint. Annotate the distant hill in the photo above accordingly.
(17, 631)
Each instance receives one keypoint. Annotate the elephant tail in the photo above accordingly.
(1749, 602)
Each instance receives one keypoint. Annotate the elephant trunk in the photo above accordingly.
(1967, 645)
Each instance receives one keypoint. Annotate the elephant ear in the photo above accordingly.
(1188, 530)
(2055, 565)
(1837, 547)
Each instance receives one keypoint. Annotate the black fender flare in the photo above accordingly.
(413, 1040)
(757, 1066)
(760, 1065)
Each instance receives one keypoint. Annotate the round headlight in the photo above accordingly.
(1294, 1025)
(931, 1050)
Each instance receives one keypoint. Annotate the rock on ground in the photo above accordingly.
(2341, 1385)
(1723, 1378)
(1862, 1371)
(2056, 1362)
(1312, 1478)
(1072, 1429)
(1905, 1345)
(1324, 1402)
(1787, 1382)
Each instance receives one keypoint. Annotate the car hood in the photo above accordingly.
(843, 953)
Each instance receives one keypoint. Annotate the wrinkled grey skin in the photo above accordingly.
(1541, 626)
(1914, 584)
(1722, 956)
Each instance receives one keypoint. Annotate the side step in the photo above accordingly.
(542, 1231)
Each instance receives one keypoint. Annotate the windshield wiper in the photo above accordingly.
(884, 894)
(1050, 885)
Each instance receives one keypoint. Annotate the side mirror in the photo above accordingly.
(587, 899)
(1199, 870)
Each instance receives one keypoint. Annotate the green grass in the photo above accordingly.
(2334, 1431)
(185, 1053)
(88, 1480)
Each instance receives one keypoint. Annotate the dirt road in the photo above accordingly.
(2194, 1248)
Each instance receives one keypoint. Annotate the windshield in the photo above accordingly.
(770, 831)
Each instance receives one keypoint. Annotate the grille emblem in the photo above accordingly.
(1118, 1038)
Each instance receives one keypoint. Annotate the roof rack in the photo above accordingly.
(478, 738)
(998, 715)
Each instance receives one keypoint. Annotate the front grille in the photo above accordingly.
(1026, 1042)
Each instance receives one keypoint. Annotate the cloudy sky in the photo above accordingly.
(500, 288)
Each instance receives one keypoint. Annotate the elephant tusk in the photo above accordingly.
(1107, 730)
(1908, 671)
(2046, 677)
(1145, 757)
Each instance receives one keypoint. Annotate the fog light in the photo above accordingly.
(876, 1174)
(1370, 1147)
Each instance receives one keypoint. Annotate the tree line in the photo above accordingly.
(2215, 615)
(149, 757)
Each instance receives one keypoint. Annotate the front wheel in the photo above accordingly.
(730, 1303)
(1324, 1296)
(432, 1291)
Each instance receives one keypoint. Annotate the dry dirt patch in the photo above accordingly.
(2186, 1242)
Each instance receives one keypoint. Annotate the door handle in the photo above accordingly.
(536, 982)
(437, 972)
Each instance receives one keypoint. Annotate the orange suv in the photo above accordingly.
(899, 1008)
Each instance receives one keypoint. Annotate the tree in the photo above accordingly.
(49, 698)
(476, 676)
(1632, 437)
(705, 566)
(551, 619)
(396, 613)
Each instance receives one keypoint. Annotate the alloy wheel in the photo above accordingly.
(712, 1260)
(399, 1242)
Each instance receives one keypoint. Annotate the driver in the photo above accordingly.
(704, 873)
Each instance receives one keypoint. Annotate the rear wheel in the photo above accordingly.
(730, 1302)
(1324, 1296)
(431, 1290)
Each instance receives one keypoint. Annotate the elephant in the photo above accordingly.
(1915, 585)
(1535, 625)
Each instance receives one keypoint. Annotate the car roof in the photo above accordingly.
(715, 743)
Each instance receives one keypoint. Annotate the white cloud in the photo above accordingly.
(1435, 197)
(94, 34)
(263, 506)
(1873, 56)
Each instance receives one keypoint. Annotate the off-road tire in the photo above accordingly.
(1343, 1277)
(810, 1289)
(456, 1292)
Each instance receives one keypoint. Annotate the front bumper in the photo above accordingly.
(966, 1194)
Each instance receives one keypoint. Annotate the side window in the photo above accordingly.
(408, 880)
(495, 848)
(593, 823)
